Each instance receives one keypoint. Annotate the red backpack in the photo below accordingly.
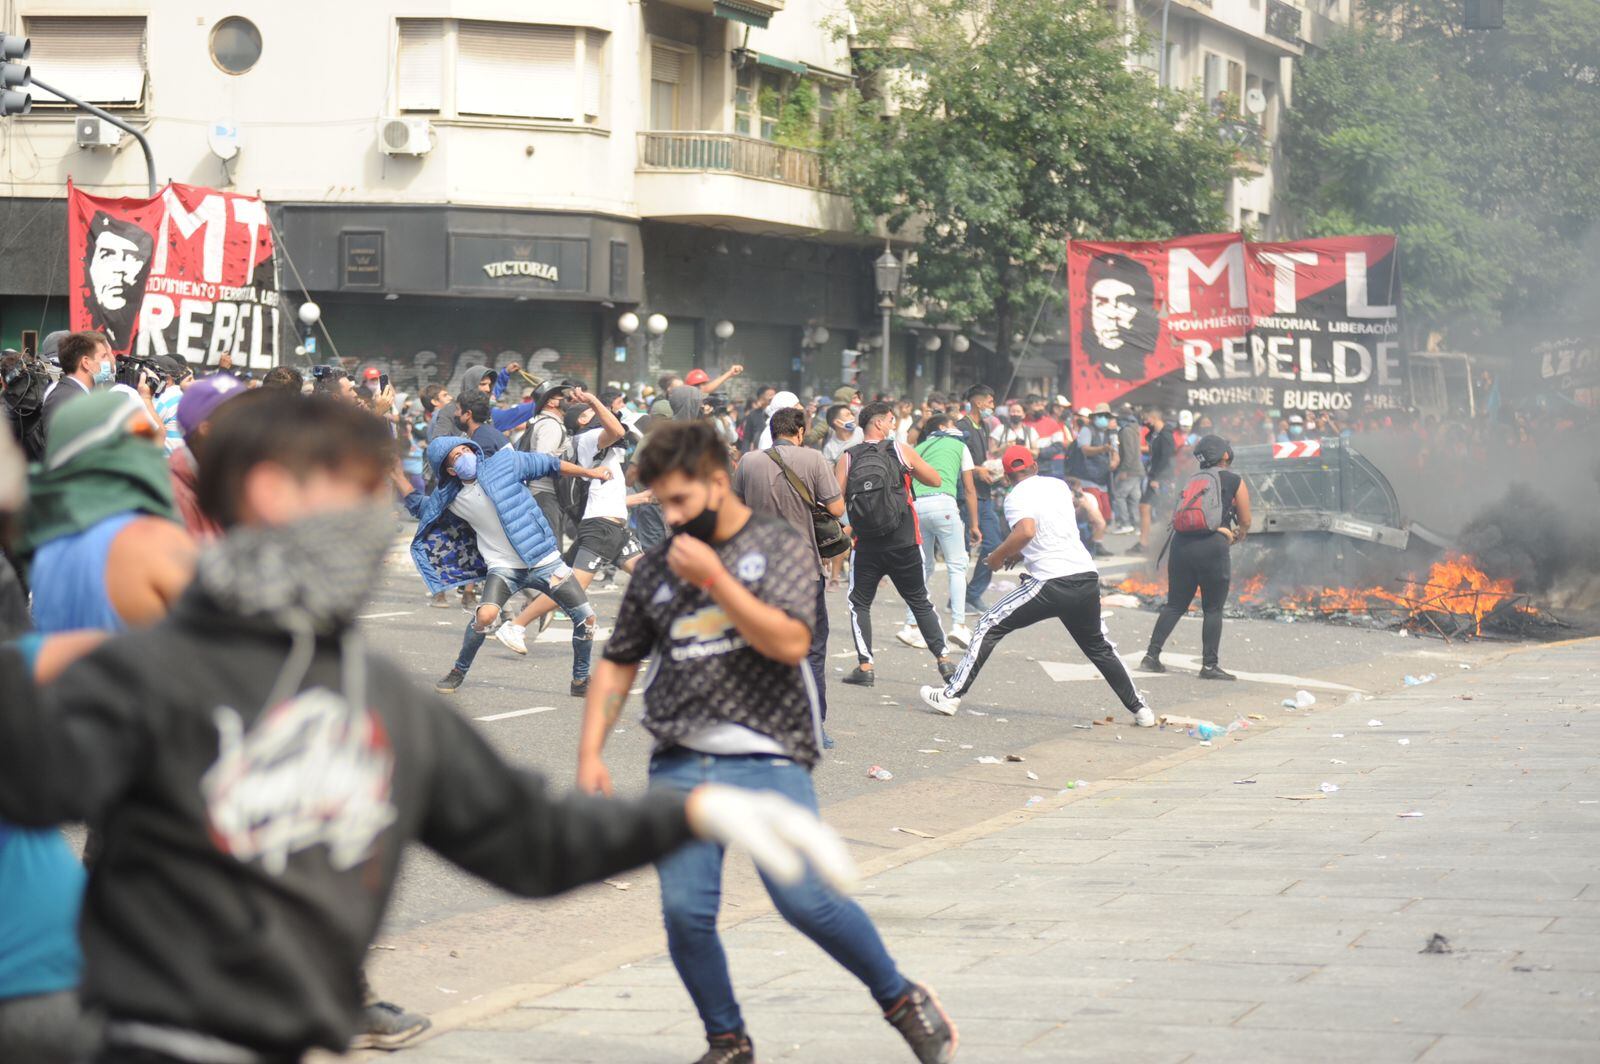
(1200, 506)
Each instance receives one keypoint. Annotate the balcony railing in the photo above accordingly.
(1283, 21)
(731, 153)
(1249, 140)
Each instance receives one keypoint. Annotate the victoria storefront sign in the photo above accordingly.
(544, 271)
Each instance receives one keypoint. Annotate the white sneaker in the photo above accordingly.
(1144, 717)
(961, 636)
(1123, 530)
(911, 637)
(940, 702)
(511, 636)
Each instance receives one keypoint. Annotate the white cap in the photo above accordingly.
(1185, 419)
(1083, 411)
(1296, 419)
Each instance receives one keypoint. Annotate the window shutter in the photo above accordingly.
(666, 64)
(516, 70)
(593, 72)
(419, 78)
(98, 59)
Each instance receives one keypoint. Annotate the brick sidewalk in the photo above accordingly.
(1183, 916)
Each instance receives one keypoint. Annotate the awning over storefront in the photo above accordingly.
(738, 11)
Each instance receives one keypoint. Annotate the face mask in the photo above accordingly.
(466, 466)
(848, 427)
(106, 373)
(1101, 422)
(702, 526)
(320, 570)
(1297, 430)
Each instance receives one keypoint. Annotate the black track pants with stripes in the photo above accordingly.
(1072, 600)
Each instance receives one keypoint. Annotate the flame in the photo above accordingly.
(1454, 585)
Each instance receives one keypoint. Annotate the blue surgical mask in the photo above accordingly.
(466, 466)
(1297, 430)
(106, 373)
(848, 426)
(1101, 422)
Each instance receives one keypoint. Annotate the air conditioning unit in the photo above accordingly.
(405, 136)
(97, 133)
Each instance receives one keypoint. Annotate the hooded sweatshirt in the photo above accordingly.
(256, 775)
(503, 418)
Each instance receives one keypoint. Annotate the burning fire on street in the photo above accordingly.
(1455, 599)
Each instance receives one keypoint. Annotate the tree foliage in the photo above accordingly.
(1479, 150)
(1019, 125)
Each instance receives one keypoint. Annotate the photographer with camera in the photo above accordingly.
(174, 377)
(25, 379)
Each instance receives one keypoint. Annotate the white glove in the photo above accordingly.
(781, 836)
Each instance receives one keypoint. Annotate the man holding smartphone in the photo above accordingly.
(1061, 582)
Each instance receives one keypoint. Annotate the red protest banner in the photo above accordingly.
(189, 272)
(1216, 321)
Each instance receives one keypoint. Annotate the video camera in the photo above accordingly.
(133, 370)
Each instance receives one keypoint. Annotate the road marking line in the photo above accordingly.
(1068, 672)
(381, 616)
(518, 713)
(550, 635)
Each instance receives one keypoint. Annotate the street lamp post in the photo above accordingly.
(888, 271)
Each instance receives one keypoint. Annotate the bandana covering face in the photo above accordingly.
(94, 468)
(319, 571)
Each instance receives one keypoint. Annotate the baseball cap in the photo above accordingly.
(1016, 458)
(1185, 419)
(1210, 450)
(844, 393)
(1083, 411)
(1296, 419)
(697, 376)
(371, 373)
(203, 397)
(1061, 400)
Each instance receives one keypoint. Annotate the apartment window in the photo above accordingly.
(99, 59)
(669, 70)
(594, 73)
(1236, 84)
(1213, 78)
(419, 81)
(744, 101)
(516, 71)
(500, 70)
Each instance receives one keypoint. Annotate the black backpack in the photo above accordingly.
(572, 493)
(875, 489)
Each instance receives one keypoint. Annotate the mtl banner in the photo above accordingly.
(1217, 320)
(189, 272)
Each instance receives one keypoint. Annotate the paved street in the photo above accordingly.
(1176, 912)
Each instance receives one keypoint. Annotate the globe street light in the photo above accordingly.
(628, 323)
(888, 270)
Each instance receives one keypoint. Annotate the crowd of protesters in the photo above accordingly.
(248, 810)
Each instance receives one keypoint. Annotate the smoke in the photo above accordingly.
(1532, 541)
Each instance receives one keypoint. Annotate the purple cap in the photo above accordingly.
(204, 396)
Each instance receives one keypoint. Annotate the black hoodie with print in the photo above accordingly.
(253, 823)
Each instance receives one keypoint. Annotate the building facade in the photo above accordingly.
(493, 180)
(1239, 55)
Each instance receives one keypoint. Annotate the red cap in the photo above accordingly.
(1016, 457)
(372, 373)
(697, 377)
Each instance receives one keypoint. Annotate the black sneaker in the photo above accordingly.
(924, 1025)
(388, 1026)
(1151, 663)
(451, 682)
(1211, 672)
(1137, 548)
(1101, 552)
(860, 677)
(733, 1048)
(580, 687)
(947, 669)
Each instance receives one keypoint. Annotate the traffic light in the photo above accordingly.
(852, 365)
(14, 76)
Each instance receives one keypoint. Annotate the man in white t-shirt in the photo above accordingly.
(603, 536)
(1061, 583)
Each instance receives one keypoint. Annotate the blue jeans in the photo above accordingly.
(817, 657)
(942, 527)
(691, 893)
(989, 525)
(553, 579)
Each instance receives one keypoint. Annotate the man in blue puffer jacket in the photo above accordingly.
(481, 523)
